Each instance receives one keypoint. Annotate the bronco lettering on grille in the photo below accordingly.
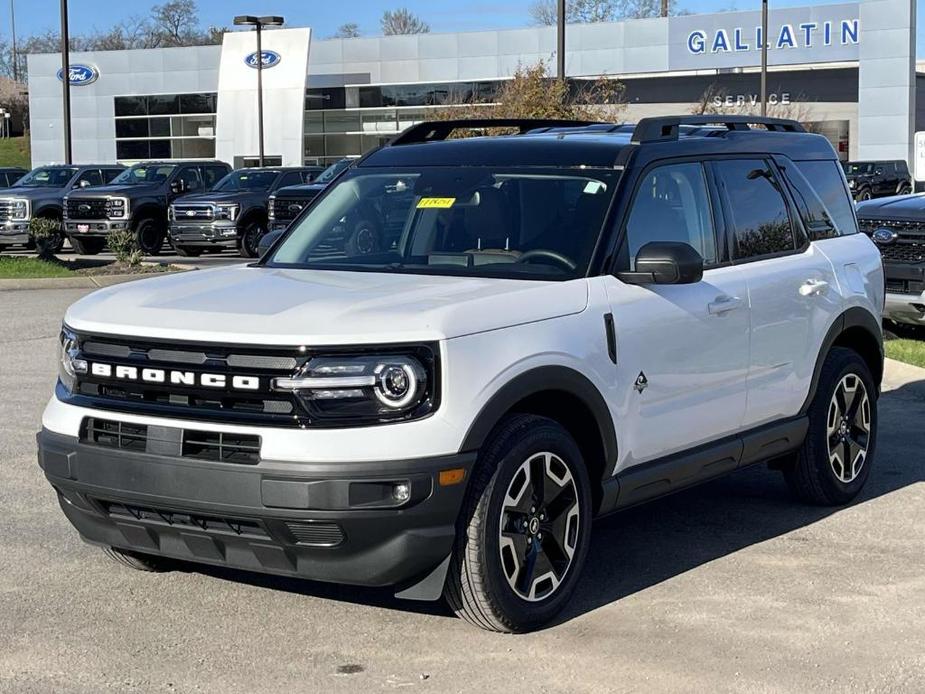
(174, 377)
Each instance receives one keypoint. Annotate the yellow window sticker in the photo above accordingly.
(435, 203)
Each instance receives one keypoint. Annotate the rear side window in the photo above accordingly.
(291, 178)
(109, 174)
(823, 200)
(212, 175)
(758, 215)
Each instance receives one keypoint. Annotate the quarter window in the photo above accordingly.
(758, 216)
(673, 204)
(828, 191)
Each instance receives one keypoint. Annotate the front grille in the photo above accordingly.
(285, 209)
(192, 213)
(221, 447)
(909, 246)
(184, 393)
(180, 520)
(316, 533)
(86, 208)
(6, 210)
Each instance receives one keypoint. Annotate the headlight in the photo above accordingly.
(69, 363)
(366, 388)
(226, 211)
(20, 209)
(117, 208)
(270, 213)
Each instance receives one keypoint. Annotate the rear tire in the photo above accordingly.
(89, 246)
(864, 194)
(150, 236)
(834, 462)
(188, 251)
(137, 560)
(524, 529)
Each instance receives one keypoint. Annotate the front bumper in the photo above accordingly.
(307, 520)
(14, 233)
(223, 234)
(94, 227)
(905, 308)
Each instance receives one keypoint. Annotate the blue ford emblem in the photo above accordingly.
(79, 75)
(883, 236)
(268, 58)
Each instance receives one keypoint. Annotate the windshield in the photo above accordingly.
(247, 180)
(862, 168)
(48, 176)
(536, 224)
(145, 173)
(329, 173)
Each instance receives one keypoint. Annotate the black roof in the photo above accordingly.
(307, 167)
(165, 162)
(598, 145)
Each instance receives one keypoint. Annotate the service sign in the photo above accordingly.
(268, 58)
(80, 75)
(819, 34)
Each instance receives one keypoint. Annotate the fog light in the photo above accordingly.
(401, 492)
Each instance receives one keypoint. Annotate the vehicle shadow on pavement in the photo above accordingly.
(644, 546)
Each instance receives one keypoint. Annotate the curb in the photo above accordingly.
(898, 374)
(79, 282)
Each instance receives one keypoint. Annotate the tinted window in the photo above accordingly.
(161, 104)
(109, 174)
(132, 127)
(247, 179)
(131, 105)
(672, 204)
(91, 176)
(190, 177)
(212, 175)
(292, 178)
(759, 219)
(48, 176)
(824, 202)
(132, 149)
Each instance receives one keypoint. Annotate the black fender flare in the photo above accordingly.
(854, 317)
(538, 380)
(253, 213)
(51, 210)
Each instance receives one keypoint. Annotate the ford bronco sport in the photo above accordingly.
(574, 319)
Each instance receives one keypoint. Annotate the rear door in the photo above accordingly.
(792, 289)
(682, 350)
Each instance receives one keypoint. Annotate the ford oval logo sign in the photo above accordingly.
(883, 236)
(80, 75)
(268, 58)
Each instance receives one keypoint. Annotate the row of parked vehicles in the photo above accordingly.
(196, 206)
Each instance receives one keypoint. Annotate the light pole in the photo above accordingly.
(560, 40)
(764, 57)
(66, 82)
(258, 23)
(13, 44)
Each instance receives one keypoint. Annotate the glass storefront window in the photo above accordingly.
(341, 121)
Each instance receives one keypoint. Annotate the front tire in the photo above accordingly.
(150, 236)
(250, 239)
(88, 246)
(865, 194)
(524, 529)
(835, 459)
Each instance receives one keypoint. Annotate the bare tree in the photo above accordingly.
(715, 100)
(402, 21)
(176, 22)
(350, 30)
(545, 12)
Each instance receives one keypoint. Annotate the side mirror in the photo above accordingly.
(83, 183)
(178, 186)
(665, 262)
(878, 172)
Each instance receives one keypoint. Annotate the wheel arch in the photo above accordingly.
(50, 210)
(855, 329)
(254, 213)
(568, 397)
(148, 210)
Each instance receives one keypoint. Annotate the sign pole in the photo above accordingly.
(66, 82)
(764, 57)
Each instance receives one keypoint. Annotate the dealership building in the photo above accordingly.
(849, 69)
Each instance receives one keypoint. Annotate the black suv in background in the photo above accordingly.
(287, 203)
(137, 199)
(877, 179)
(234, 213)
(10, 174)
(40, 193)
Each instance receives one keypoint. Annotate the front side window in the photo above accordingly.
(759, 218)
(189, 176)
(467, 221)
(673, 204)
(145, 173)
(246, 180)
(48, 177)
(92, 178)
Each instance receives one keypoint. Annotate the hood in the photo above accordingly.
(283, 307)
(224, 196)
(130, 190)
(895, 207)
(33, 193)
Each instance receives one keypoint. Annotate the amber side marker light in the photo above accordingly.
(448, 478)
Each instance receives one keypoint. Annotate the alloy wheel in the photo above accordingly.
(848, 428)
(539, 526)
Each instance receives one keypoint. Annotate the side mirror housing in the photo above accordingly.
(665, 262)
(177, 186)
(83, 183)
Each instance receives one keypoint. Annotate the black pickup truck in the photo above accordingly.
(234, 213)
(137, 199)
(287, 203)
(40, 193)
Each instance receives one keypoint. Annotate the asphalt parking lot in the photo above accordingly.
(729, 587)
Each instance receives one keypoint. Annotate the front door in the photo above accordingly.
(682, 350)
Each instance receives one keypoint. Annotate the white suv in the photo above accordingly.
(538, 329)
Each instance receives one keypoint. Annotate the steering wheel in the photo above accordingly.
(562, 260)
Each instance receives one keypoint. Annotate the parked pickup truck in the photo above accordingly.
(137, 199)
(40, 193)
(287, 203)
(234, 213)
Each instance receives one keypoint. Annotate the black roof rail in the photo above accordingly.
(665, 128)
(434, 131)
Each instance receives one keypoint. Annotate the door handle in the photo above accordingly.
(724, 304)
(814, 287)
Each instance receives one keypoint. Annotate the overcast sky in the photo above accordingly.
(35, 16)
